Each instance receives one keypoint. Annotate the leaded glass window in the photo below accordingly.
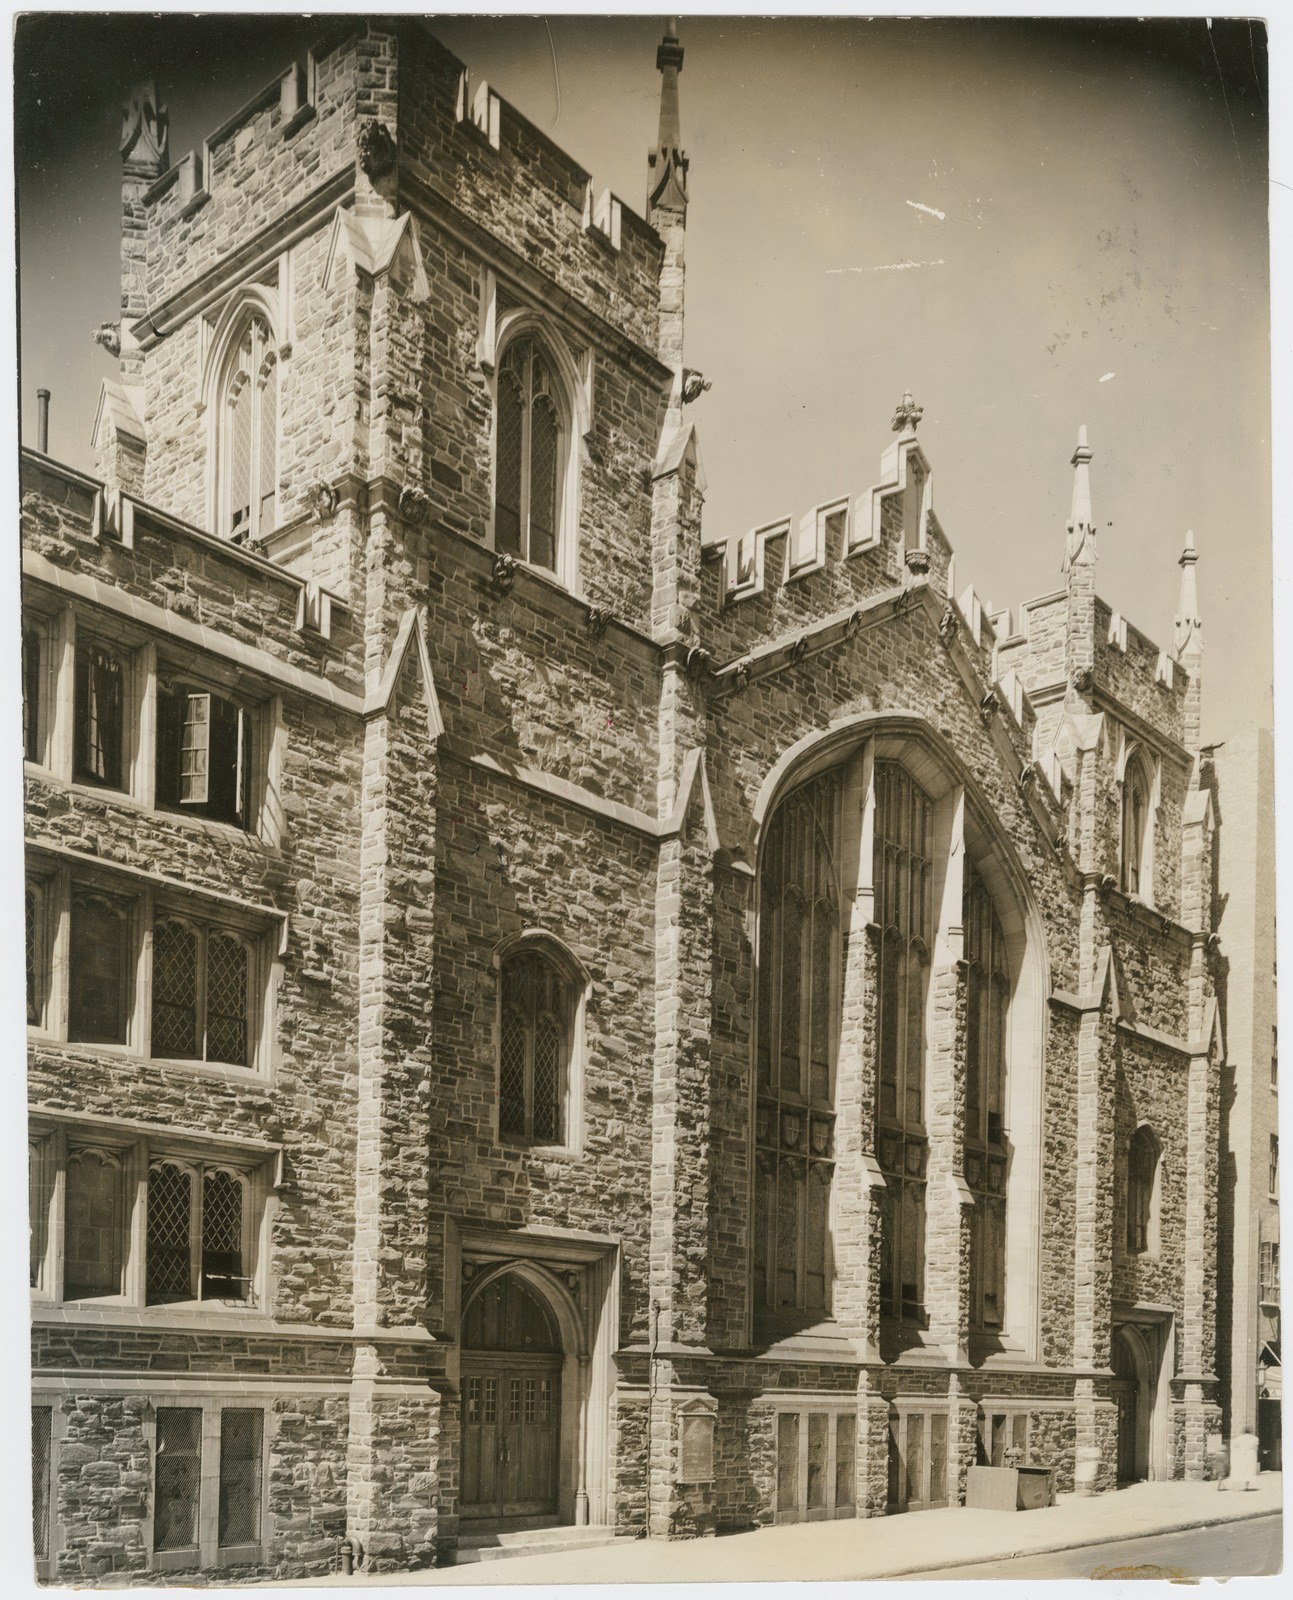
(902, 877)
(1134, 875)
(1142, 1187)
(93, 1224)
(530, 456)
(177, 1477)
(98, 1005)
(197, 1233)
(249, 439)
(798, 984)
(537, 1013)
(987, 999)
(98, 715)
(200, 993)
(240, 1476)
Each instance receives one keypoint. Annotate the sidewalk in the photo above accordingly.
(880, 1547)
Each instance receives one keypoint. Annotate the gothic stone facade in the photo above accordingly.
(536, 1008)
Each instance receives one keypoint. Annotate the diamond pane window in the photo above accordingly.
(222, 1236)
(530, 456)
(170, 1222)
(177, 1478)
(41, 1436)
(534, 1053)
(240, 1476)
(201, 999)
(1142, 1191)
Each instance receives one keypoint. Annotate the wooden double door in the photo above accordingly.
(511, 1432)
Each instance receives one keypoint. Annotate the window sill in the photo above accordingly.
(199, 1315)
(79, 1050)
(515, 1144)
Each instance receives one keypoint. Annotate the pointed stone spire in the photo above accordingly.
(1189, 630)
(1079, 549)
(667, 163)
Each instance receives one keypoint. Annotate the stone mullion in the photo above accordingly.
(1093, 1252)
(948, 1202)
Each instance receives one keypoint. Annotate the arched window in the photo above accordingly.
(1136, 874)
(536, 1028)
(1142, 1192)
(531, 452)
(987, 998)
(798, 985)
(903, 868)
(247, 436)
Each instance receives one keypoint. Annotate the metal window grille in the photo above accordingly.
(226, 1019)
(177, 1478)
(41, 1463)
(240, 1477)
(170, 1217)
(175, 990)
(222, 1236)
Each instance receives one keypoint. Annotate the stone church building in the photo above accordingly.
(543, 1012)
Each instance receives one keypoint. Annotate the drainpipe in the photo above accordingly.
(655, 1340)
(42, 421)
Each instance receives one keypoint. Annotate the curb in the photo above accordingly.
(1071, 1544)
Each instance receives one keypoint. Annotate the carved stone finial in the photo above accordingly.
(504, 572)
(694, 384)
(321, 499)
(906, 417)
(414, 503)
(145, 129)
(376, 149)
(108, 334)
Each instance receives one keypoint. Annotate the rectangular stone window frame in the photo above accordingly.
(51, 1143)
(257, 754)
(55, 736)
(207, 1551)
(38, 683)
(914, 1448)
(54, 886)
(831, 1414)
(49, 1401)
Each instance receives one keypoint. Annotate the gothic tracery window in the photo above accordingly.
(530, 458)
(248, 442)
(988, 996)
(1142, 1191)
(798, 985)
(902, 910)
(536, 1024)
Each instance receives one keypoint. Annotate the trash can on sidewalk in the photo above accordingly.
(1009, 1488)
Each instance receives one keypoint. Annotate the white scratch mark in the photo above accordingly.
(1106, 377)
(916, 206)
(889, 266)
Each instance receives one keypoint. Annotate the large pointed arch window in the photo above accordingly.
(537, 1009)
(248, 436)
(903, 845)
(1136, 865)
(798, 984)
(987, 999)
(530, 456)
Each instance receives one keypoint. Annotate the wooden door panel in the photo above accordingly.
(510, 1436)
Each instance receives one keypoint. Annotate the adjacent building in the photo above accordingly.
(542, 1010)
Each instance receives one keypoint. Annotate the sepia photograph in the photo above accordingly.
(648, 799)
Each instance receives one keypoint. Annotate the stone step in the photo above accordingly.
(485, 1546)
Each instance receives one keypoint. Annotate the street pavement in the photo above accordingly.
(870, 1548)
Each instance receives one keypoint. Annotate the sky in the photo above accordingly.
(1031, 225)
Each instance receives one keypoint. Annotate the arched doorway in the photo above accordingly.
(511, 1403)
(1131, 1399)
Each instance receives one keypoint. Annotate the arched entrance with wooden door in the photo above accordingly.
(511, 1404)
